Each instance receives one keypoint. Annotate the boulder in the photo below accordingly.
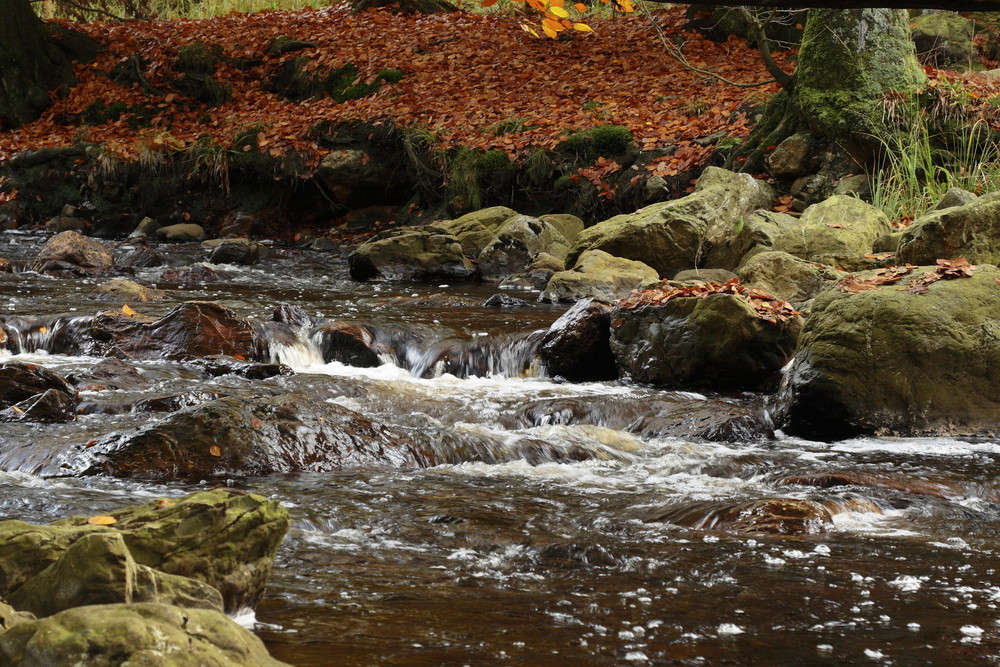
(193, 329)
(222, 537)
(111, 373)
(125, 290)
(74, 249)
(349, 343)
(703, 276)
(955, 197)
(475, 230)
(718, 342)
(53, 406)
(675, 235)
(20, 381)
(243, 252)
(411, 254)
(577, 345)
(598, 275)
(566, 224)
(838, 231)
(501, 300)
(236, 437)
(136, 634)
(754, 234)
(537, 274)
(943, 38)
(98, 569)
(971, 231)
(517, 242)
(147, 227)
(892, 361)
(184, 232)
(798, 155)
(9, 617)
(141, 257)
(788, 277)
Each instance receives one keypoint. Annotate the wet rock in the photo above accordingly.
(891, 361)
(111, 373)
(75, 250)
(475, 230)
(184, 232)
(773, 516)
(236, 437)
(192, 330)
(19, 381)
(191, 275)
(673, 236)
(172, 402)
(224, 538)
(217, 365)
(718, 342)
(971, 231)
(146, 633)
(243, 252)
(577, 346)
(124, 290)
(838, 231)
(98, 569)
(739, 429)
(536, 275)
(907, 485)
(293, 316)
(516, 243)
(348, 343)
(146, 228)
(141, 257)
(411, 254)
(502, 300)
(50, 407)
(510, 356)
(788, 277)
(598, 275)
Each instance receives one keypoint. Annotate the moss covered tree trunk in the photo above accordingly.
(849, 60)
(31, 64)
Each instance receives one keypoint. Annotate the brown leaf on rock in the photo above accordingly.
(767, 307)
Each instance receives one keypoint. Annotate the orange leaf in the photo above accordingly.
(215, 450)
(489, 3)
(256, 423)
(128, 311)
(580, 7)
(102, 520)
(165, 503)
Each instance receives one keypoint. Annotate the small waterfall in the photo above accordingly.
(59, 335)
(514, 356)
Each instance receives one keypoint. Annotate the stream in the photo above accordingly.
(571, 523)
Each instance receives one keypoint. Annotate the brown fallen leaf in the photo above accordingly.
(215, 450)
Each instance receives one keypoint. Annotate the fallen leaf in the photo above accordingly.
(128, 311)
(165, 503)
(102, 520)
(215, 450)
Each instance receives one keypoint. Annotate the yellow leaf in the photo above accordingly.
(165, 503)
(102, 520)
(559, 11)
(547, 30)
(528, 29)
(580, 7)
(215, 450)
(17, 409)
(583, 27)
(43, 329)
(128, 311)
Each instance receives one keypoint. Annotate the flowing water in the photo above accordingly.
(571, 525)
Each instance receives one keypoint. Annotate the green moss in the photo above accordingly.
(390, 76)
(196, 58)
(476, 176)
(605, 140)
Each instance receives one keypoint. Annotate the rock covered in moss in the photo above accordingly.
(943, 38)
(971, 231)
(223, 538)
(134, 634)
(411, 254)
(598, 275)
(675, 235)
(516, 244)
(475, 230)
(125, 290)
(891, 361)
(788, 277)
(716, 342)
(838, 231)
(753, 234)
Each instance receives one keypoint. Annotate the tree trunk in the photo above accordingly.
(31, 64)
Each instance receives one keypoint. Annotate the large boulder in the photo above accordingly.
(577, 345)
(72, 248)
(971, 231)
(411, 253)
(236, 437)
(517, 242)
(838, 231)
(475, 230)
(598, 275)
(135, 634)
(675, 235)
(753, 234)
(358, 178)
(193, 329)
(797, 155)
(787, 277)
(224, 538)
(714, 341)
(943, 38)
(894, 361)
(566, 224)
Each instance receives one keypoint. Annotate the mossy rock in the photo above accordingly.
(971, 231)
(134, 634)
(752, 235)
(838, 231)
(411, 254)
(197, 58)
(602, 141)
(787, 277)
(893, 362)
(517, 242)
(475, 230)
(943, 38)
(598, 275)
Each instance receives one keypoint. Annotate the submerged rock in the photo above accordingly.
(892, 361)
(349, 343)
(124, 290)
(223, 538)
(236, 437)
(775, 516)
(146, 633)
(243, 252)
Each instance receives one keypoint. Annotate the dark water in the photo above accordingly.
(552, 562)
